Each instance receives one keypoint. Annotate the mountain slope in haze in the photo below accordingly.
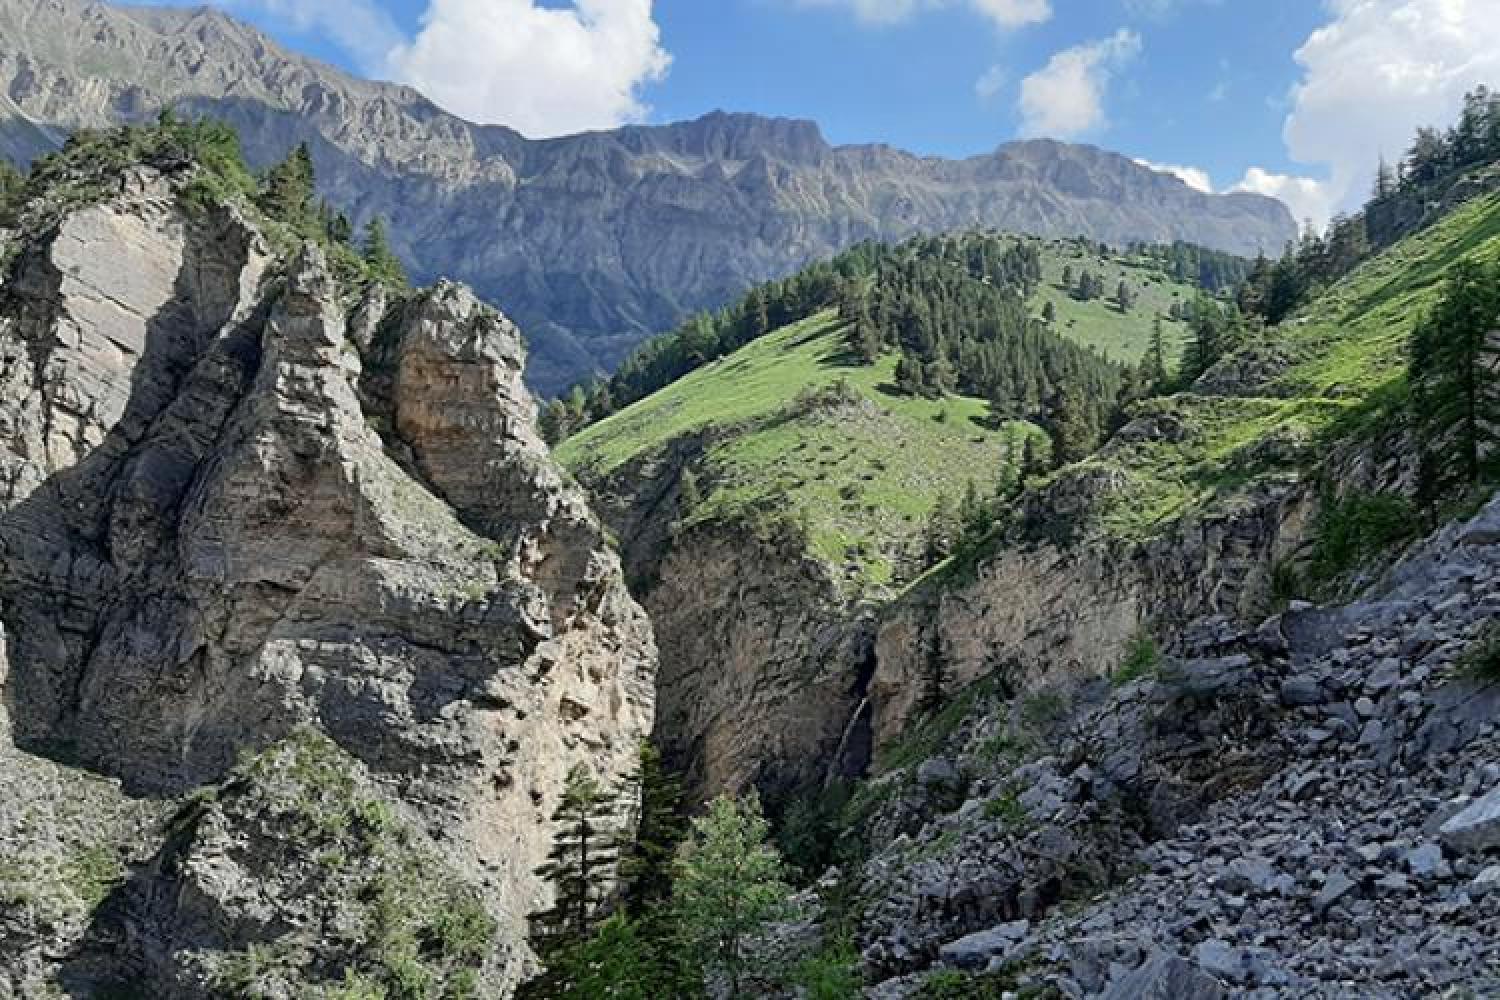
(592, 241)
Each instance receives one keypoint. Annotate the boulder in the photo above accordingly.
(1476, 828)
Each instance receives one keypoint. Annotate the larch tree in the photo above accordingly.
(730, 884)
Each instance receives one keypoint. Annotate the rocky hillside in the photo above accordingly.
(1309, 807)
(300, 627)
(596, 241)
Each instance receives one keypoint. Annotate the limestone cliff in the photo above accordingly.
(761, 650)
(230, 514)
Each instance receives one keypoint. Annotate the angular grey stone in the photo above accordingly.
(1485, 882)
(1300, 690)
(1425, 861)
(1335, 887)
(976, 950)
(937, 772)
(1477, 827)
(1166, 977)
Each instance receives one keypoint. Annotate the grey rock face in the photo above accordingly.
(593, 241)
(219, 524)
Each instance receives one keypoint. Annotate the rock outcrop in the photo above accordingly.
(1059, 610)
(229, 515)
(595, 241)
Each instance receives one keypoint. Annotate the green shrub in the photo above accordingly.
(830, 974)
(1481, 660)
(1142, 659)
(1352, 529)
(1007, 808)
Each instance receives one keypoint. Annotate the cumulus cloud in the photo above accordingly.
(1374, 73)
(1307, 197)
(1004, 13)
(543, 70)
(1194, 177)
(1066, 97)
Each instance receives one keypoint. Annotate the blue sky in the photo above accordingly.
(1293, 98)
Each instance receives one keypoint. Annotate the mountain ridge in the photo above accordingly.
(593, 241)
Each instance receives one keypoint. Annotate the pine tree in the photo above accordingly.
(621, 961)
(380, 260)
(942, 531)
(287, 192)
(1049, 313)
(553, 423)
(910, 377)
(581, 868)
(1158, 377)
(1454, 375)
(1124, 297)
(1074, 435)
(11, 186)
(660, 829)
(730, 883)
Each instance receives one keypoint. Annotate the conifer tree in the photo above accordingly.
(942, 530)
(730, 883)
(581, 868)
(287, 193)
(380, 260)
(11, 186)
(1158, 378)
(1074, 435)
(660, 829)
(1454, 375)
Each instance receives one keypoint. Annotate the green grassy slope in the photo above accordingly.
(1099, 323)
(860, 475)
(1341, 369)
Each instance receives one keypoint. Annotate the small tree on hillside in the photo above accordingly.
(287, 192)
(11, 186)
(581, 869)
(730, 885)
(380, 260)
(1074, 434)
(646, 862)
(1455, 379)
(1156, 371)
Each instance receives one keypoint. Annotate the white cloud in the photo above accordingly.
(1014, 13)
(1004, 13)
(1194, 177)
(1066, 97)
(1307, 197)
(542, 70)
(1370, 77)
(988, 86)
